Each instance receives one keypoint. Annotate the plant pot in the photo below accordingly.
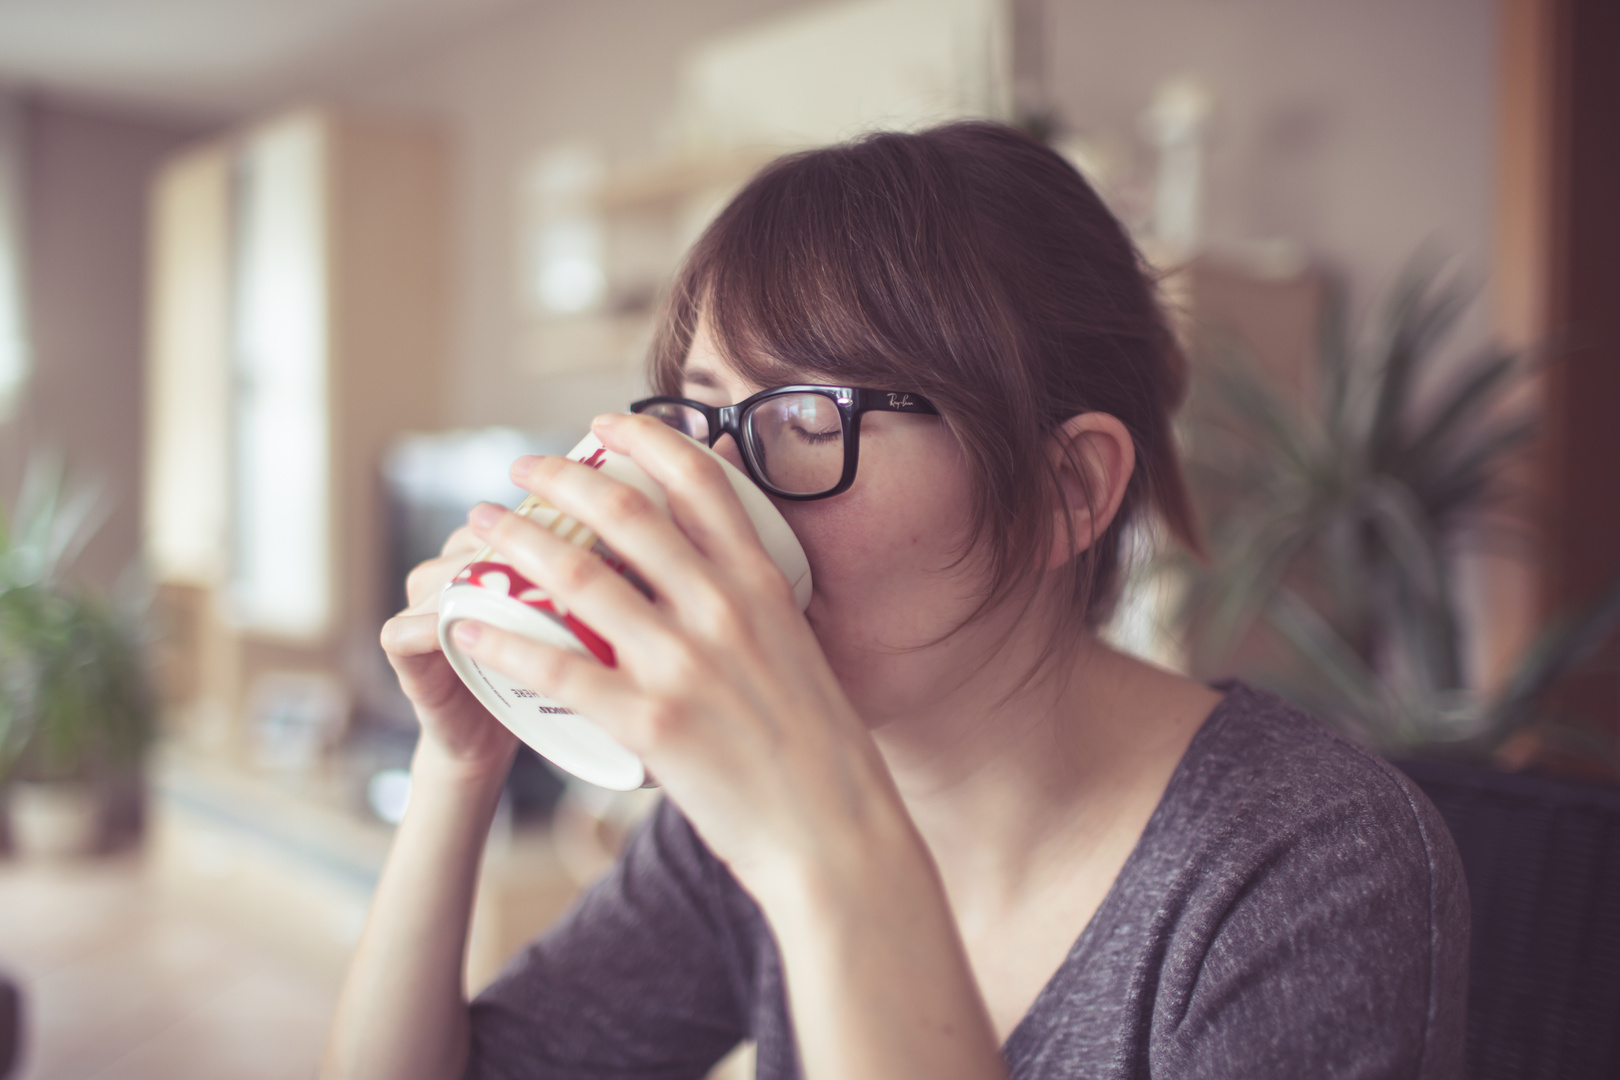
(54, 821)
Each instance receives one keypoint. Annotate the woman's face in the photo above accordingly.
(881, 553)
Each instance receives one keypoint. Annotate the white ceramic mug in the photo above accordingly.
(491, 591)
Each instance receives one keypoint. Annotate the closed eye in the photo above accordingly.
(815, 438)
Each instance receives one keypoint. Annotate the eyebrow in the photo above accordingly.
(700, 377)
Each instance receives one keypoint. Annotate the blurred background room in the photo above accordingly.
(285, 286)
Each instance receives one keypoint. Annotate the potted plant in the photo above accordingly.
(76, 707)
(1336, 522)
(1335, 525)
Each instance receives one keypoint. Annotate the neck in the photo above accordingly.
(1008, 783)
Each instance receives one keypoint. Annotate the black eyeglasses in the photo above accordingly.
(797, 442)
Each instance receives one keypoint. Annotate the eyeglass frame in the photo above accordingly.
(852, 402)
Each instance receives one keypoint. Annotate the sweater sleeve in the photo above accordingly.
(639, 979)
(1342, 954)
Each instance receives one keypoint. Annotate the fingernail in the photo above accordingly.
(606, 420)
(524, 464)
(484, 516)
(467, 633)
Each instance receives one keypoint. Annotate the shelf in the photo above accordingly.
(664, 184)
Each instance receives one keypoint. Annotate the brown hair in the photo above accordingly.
(971, 264)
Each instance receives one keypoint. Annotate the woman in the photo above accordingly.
(934, 827)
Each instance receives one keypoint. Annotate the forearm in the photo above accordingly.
(403, 1010)
(878, 981)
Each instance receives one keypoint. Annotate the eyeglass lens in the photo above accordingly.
(794, 441)
(683, 418)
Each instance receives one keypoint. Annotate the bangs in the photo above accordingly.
(826, 268)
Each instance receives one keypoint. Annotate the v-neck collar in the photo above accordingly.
(1024, 1037)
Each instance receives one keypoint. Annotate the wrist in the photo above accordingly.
(433, 764)
(877, 976)
(853, 870)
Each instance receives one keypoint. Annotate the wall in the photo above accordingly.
(1360, 130)
(84, 195)
(601, 72)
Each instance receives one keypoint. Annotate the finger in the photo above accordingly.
(411, 643)
(429, 680)
(462, 540)
(701, 499)
(427, 580)
(628, 522)
(573, 679)
(576, 576)
(411, 635)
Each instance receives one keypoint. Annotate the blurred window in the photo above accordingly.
(563, 272)
(280, 579)
(13, 338)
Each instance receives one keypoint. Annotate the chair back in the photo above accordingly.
(1542, 858)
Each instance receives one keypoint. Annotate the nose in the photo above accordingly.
(727, 448)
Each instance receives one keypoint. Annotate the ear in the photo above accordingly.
(1098, 446)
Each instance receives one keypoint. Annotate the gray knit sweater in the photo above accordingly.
(1295, 908)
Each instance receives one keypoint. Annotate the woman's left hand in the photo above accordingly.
(721, 686)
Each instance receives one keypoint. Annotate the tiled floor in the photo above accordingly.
(122, 984)
(122, 980)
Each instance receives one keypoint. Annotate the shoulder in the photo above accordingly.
(642, 972)
(666, 866)
(1315, 885)
(1272, 804)
(1261, 772)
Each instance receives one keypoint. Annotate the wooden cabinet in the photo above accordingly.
(298, 307)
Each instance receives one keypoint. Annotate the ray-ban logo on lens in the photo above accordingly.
(899, 401)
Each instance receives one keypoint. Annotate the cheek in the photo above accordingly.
(881, 554)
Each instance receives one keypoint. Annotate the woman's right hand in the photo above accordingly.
(455, 726)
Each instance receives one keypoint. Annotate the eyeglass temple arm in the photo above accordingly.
(894, 401)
